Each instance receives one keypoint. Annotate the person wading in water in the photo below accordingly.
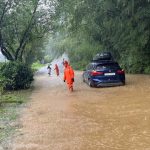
(56, 69)
(49, 70)
(68, 75)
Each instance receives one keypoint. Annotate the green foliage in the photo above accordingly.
(147, 70)
(24, 26)
(47, 59)
(36, 66)
(16, 75)
(121, 27)
(82, 54)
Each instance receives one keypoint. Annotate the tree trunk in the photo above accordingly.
(26, 35)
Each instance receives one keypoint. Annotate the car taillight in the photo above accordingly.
(95, 73)
(120, 71)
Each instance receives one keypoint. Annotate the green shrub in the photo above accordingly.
(15, 75)
(147, 70)
(47, 59)
(36, 66)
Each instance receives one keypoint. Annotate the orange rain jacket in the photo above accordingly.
(57, 69)
(69, 75)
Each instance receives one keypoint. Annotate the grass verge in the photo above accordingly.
(10, 104)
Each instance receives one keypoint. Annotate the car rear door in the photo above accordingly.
(109, 71)
(87, 72)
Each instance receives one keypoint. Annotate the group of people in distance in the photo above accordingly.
(56, 69)
(68, 74)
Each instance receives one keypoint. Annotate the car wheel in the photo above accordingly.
(123, 82)
(90, 83)
(83, 79)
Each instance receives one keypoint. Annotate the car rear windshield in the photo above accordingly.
(107, 65)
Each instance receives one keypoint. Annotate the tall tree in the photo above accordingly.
(122, 27)
(23, 22)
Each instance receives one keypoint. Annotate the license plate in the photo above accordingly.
(109, 74)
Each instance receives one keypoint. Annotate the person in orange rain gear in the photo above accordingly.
(56, 69)
(68, 75)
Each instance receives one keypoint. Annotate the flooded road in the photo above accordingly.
(114, 118)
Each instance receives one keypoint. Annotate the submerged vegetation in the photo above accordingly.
(10, 103)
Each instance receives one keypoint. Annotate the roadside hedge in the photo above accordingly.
(15, 75)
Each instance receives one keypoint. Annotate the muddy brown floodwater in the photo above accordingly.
(114, 118)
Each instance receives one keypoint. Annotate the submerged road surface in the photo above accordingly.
(114, 118)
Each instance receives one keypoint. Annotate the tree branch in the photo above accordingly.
(26, 33)
(6, 53)
(3, 13)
